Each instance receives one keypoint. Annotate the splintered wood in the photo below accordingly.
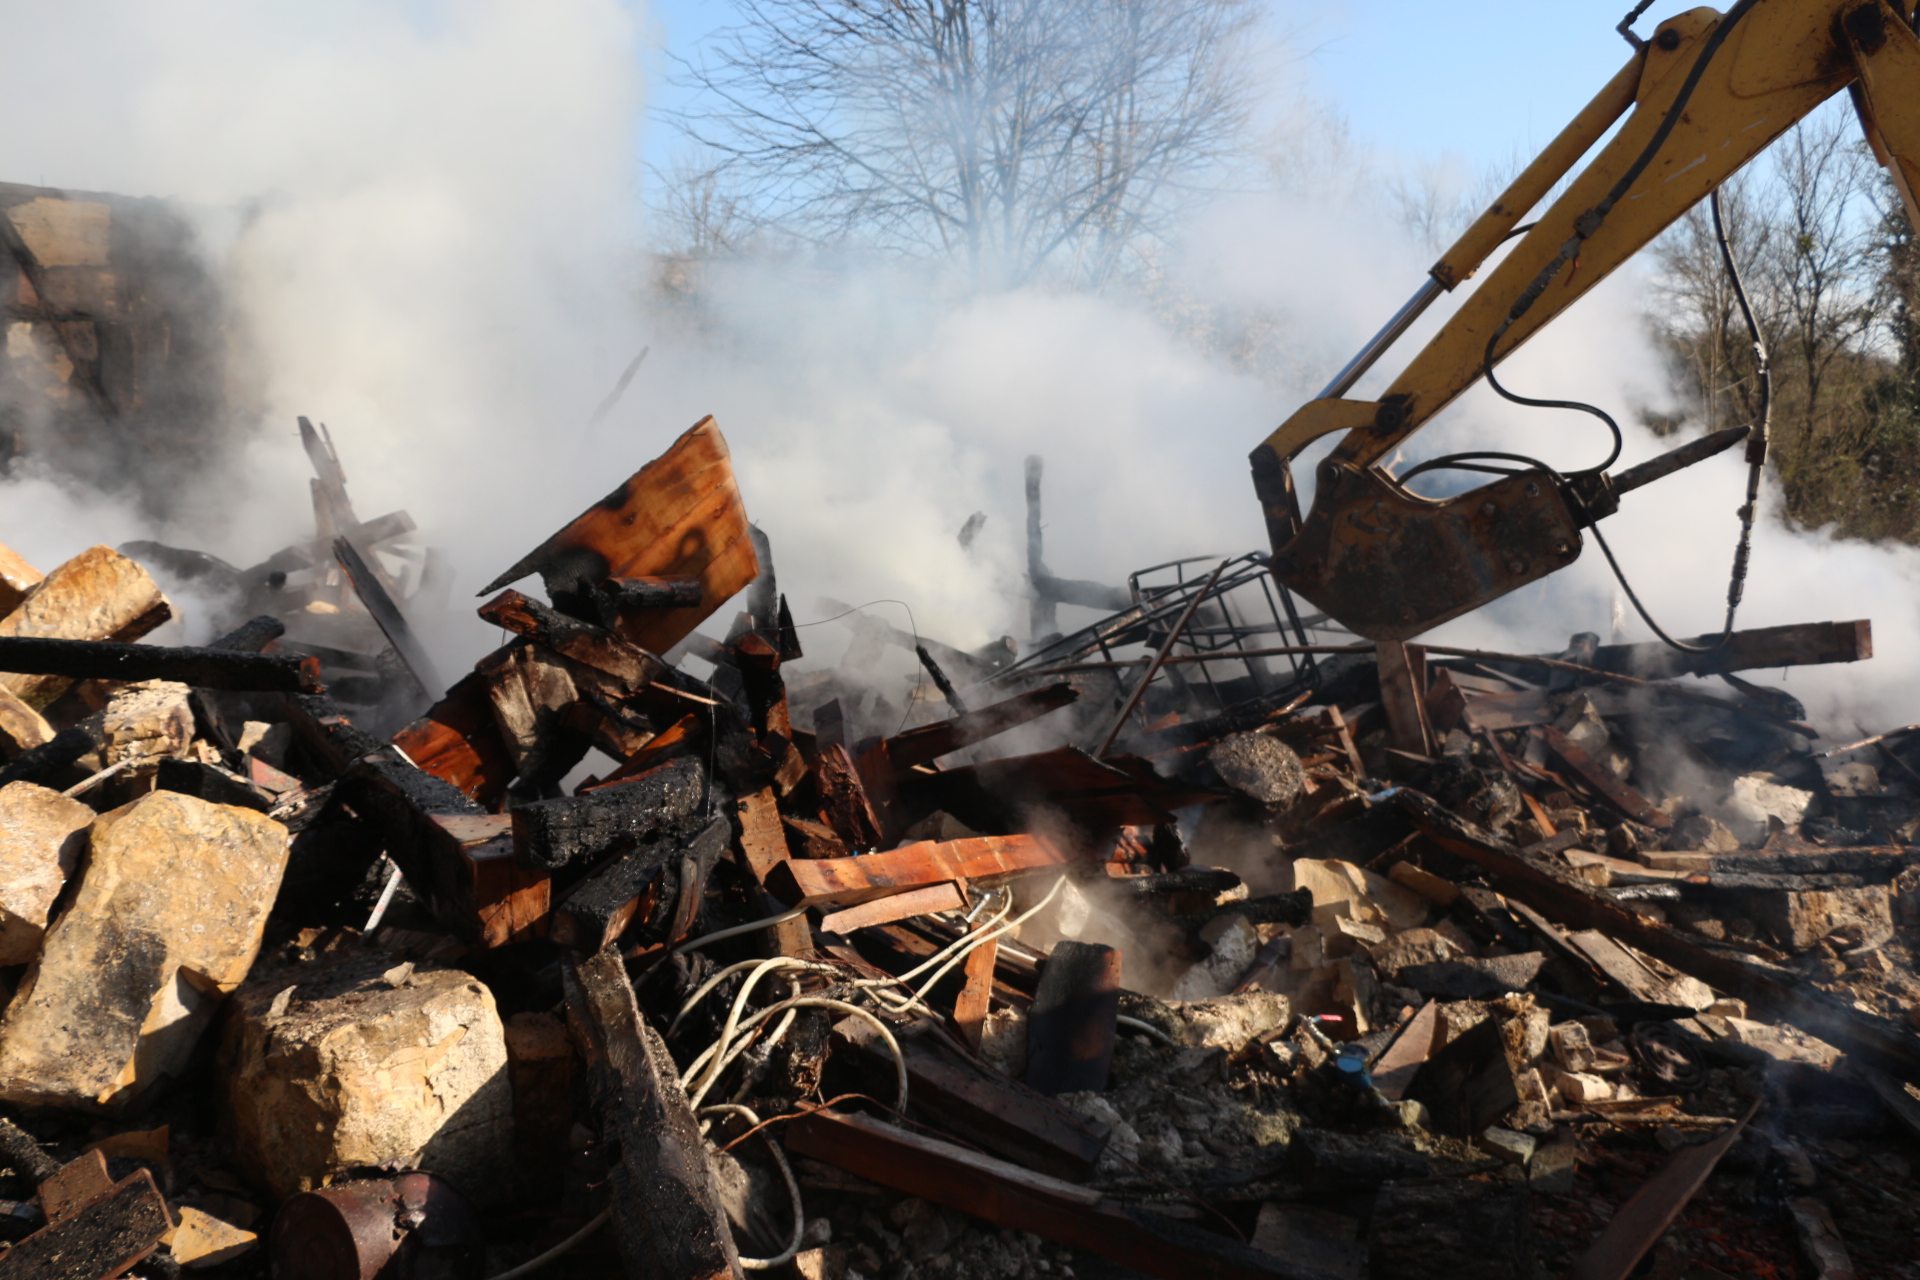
(680, 516)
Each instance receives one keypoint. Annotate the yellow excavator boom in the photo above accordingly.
(1701, 98)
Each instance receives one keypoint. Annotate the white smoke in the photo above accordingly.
(428, 220)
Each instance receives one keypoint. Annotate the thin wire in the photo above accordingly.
(913, 690)
(534, 1264)
(793, 1190)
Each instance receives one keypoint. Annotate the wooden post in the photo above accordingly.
(666, 1209)
(976, 992)
(1071, 1030)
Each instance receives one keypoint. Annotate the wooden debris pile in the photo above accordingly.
(1419, 963)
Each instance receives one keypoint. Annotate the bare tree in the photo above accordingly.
(1694, 307)
(1825, 264)
(1020, 138)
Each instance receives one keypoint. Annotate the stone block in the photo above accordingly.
(1578, 1087)
(97, 595)
(21, 727)
(1571, 1046)
(165, 924)
(1505, 1144)
(1229, 1022)
(145, 723)
(359, 1061)
(1701, 834)
(1798, 919)
(1415, 946)
(17, 577)
(42, 838)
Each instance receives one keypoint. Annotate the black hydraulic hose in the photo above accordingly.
(1589, 223)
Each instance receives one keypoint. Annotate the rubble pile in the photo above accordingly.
(1133, 954)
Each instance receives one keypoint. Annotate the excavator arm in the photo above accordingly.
(1705, 95)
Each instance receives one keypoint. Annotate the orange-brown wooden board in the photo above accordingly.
(680, 516)
(842, 882)
(458, 741)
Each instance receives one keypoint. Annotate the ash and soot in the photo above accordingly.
(436, 845)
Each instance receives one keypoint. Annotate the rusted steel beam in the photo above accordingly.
(930, 742)
(843, 882)
(1601, 779)
(666, 1208)
(1010, 1196)
(213, 668)
(1775, 991)
(1071, 1027)
(680, 516)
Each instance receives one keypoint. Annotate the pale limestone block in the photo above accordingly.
(97, 595)
(361, 1062)
(165, 924)
(42, 837)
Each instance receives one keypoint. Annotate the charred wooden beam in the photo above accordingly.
(388, 616)
(1117, 791)
(958, 1094)
(1801, 644)
(983, 860)
(204, 668)
(930, 742)
(1010, 1196)
(457, 856)
(666, 1208)
(1776, 991)
(1403, 691)
(631, 595)
(1071, 1028)
(1601, 779)
(898, 906)
(63, 749)
(555, 833)
(252, 636)
(101, 1235)
(600, 908)
(844, 802)
(368, 534)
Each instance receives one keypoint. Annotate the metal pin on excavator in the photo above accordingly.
(1706, 94)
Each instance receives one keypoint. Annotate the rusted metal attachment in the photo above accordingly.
(414, 1226)
(1391, 564)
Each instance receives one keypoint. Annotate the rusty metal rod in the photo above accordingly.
(1159, 659)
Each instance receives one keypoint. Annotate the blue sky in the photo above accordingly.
(1478, 80)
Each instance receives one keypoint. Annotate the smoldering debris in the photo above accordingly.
(1198, 940)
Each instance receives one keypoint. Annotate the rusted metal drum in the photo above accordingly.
(408, 1227)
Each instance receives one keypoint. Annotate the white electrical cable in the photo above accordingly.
(793, 1189)
(1146, 1028)
(593, 1224)
(739, 929)
(733, 1020)
(708, 986)
(818, 1002)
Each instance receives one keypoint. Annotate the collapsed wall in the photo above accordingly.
(116, 343)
